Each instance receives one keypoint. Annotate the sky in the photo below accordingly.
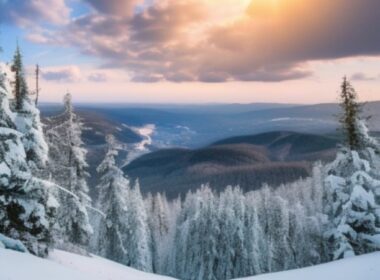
(196, 51)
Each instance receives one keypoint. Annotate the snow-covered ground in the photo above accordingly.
(66, 266)
(365, 267)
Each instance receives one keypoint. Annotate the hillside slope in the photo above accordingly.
(247, 161)
(66, 266)
(356, 268)
(287, 146)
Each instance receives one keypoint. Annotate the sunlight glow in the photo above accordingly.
(264, 7)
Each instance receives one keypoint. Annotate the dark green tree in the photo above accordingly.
(27, 118)
(351, 114)
(20, 88)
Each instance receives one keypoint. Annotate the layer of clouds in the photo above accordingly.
(176, 40)
(123, 8)
(73, 74)
(98, 77)
(68, 74)
(359, 76)
(27, 13)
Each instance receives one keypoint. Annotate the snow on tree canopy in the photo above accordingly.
(24, 214)
(113, 193)
(27, 118)
(67, 168)
(353, 183)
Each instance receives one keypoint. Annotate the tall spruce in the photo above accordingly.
(138, 245)
(28, 117)
(113, 191)
(67, 168)
(27, 207)
(159, 225)
(351, 113)
(353, 185)
(20, 88)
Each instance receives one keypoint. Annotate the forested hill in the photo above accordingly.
(248, 161)
(287, 146)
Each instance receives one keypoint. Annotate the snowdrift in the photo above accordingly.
(357, 268)
(66, 266)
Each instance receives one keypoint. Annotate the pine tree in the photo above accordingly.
(353, 185)
(351, 111)
(208, 234)
(27, 207)
(139, 254)
(113, 193)
(20, 87)
(254, 239)
(67, 168)
(28, 118)
(159, 224)
(227, 220)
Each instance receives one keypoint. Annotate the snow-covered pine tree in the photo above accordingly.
(227, 228)
(240, 259)
(27, 207)
(113, 191)
(278, 223)
(67, 167)
(159, 225)
(138, 237)
(207, 237)
(254, 239)
(165, 251)
(353, 185)
(27, 118)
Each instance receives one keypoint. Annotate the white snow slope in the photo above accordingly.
(366, 267)
(66, 266)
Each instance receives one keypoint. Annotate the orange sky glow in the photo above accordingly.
(197, 51)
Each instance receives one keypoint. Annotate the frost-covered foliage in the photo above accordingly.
(234, 234)
(26, 205)
(113, 193)
(209, 235)
(353, 184)
(123, 234)
(67, 168)
(27, 118)
(138, 235)
(161, 221)
(216, 236)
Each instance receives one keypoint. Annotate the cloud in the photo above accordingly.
(115, 7)
(291, 33)
(28, 13)
(363, 77)
(218, 41)
(162, 23)
(98, 77)
(69, 74)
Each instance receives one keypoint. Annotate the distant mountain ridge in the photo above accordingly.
(194, 128)
(206, 124)
(288, 146)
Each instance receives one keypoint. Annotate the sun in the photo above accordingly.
(264, 7)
